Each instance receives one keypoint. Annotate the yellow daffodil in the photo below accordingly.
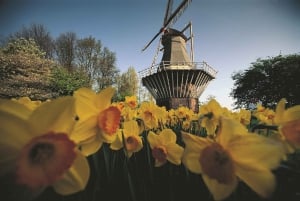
(264, 115)
(209, 116)
(172, 119)
(164, 147)
(289, 122)
(186, 125)
(99, 119)
(233, 154)
(36, 151)
(130, 133)
(131, 101)
(243, 116)
(149, 113)
(128, 113)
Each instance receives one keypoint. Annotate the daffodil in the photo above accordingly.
(209, 116)
(128, 113)
(99, 119)
(131, 101)
(264, 115)
(243, 116)
(289, 122)
(164, 147)
(128, 136)
(37, 152)
(234, 154)
(149, 113)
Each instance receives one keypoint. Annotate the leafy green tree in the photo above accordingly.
(65, 83)
(128, 84)
(267, 81)
(24, 71)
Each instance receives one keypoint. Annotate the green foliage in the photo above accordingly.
(64, 82)
(127, 84)
(267, 81)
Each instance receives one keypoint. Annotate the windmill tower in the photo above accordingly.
(177, 80)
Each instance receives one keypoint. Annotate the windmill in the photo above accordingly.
(177, 80)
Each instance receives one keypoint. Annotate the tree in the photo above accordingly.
(65, 83)
(24, 71)
(128, 84)
(267, 81)
(65, 50)
(88, 53)
(40, 35)
(106, 73)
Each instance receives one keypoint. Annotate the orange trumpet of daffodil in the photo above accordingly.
(234, 154)
(37, 152)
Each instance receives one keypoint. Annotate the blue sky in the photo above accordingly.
(228, 34)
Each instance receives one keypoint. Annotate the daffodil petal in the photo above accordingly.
(118, 143)
(58, 115)
(167, 136)
(14, 108)
(153, 139)
(130, 128)
(90, 146)
(175, 153)
(219, 191)
(85, 102)
(230, 128)
(84, 129)
(15, 133)
(103, 99)
(280, 108)
(262, 181)
(258, 150)
(75, 179)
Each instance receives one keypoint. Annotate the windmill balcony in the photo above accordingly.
(173, 84)
(168, 65)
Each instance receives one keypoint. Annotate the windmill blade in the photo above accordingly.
(168, 11)
(175, 15)
(152, 39)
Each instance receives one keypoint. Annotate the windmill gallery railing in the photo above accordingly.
(177, 79)
(165, 65)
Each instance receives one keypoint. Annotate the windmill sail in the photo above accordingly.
(168, 20)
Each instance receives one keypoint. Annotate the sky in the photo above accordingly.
(228, 34)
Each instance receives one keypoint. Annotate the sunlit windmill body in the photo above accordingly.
(177, 80)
